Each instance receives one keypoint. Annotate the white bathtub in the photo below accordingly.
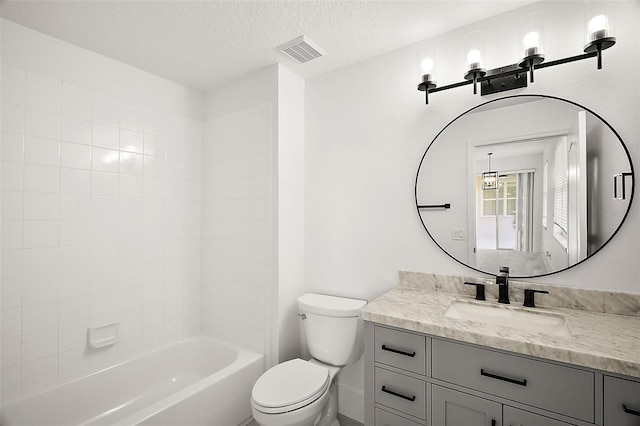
(198, 381)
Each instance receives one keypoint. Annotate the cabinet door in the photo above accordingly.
(621, 402)
(453, 408)
(516, 417)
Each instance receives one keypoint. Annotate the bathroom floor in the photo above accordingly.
(344, 421)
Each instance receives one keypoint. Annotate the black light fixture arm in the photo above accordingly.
(516, 70)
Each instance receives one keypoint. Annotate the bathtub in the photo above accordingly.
(197, 381)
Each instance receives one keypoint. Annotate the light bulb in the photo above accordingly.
(597, 23)
(531, 39)
(598, 27)
(426, 65)
(473, 59)
(531, 43)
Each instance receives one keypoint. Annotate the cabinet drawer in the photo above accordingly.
(552, 387)
(621, 402)
(516, 417)
(401, 392)
(399, 349)
(385, 418)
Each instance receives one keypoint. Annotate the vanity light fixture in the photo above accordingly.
(489, 179)
(510, 77)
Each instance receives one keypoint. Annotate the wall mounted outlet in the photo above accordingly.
(458, 234)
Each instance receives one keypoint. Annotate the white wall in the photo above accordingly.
(367, 128)
(101, 204)
(253, 194)
(238, 196)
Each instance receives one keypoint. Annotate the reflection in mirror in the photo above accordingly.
(531, 185)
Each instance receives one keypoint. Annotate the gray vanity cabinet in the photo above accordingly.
(621, 402)
(412, 379)
(453, 408)
(516, 417)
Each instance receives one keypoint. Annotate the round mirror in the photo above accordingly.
(535, 183)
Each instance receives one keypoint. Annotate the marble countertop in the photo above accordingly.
(600, 341)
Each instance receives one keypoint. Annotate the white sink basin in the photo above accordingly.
(510, 317)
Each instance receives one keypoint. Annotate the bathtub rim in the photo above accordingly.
(243, 354)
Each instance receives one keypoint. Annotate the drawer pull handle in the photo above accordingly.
(504, 379)
(630, 411)
(397, 351)
(399, 395)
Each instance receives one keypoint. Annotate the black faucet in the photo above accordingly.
(502, 280)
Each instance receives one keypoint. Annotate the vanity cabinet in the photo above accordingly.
(621, 402)
(453, 408)
(414, 379)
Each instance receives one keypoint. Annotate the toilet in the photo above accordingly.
(302, 393)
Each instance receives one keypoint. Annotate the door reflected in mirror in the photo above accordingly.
(531, 186)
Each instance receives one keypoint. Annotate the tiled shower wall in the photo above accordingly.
(101, 222)
(237, 226)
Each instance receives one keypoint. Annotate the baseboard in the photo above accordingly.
(351, 403)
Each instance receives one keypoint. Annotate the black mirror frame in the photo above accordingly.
(626, 150)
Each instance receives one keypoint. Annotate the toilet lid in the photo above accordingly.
(290, 384)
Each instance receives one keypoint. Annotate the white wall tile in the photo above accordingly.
(12, 176)
(11, 352)
(12, 205)
(130, 186)
(131, 141)
(11, 325)
(44, 92)
(13, 118)
(154, 166)
(43, 124)
(106, 109)
(104, 231)
(75, 181)
(132, 164)
(12, 147)
(75, 207)
(73, 363)
(39, 261)
(41, 206)
(75, 232)
(41, 151)
(103, 307)
(105, 136)
(11, 293)
(104, 160)
(77, 101)
(154, 145)
(40, 317)
(74, 335)
(39, 178)
(39, 374)
(76, 130)
(104, 255)
(74, 310)
(75, 156)
(39, 289)
(75, 283)
(132, 118)
(11, 381)
(11, 234)
(104, 183)
(104, 207)
(14, 83)
(11, 264)
(41, 233)
(75, 258)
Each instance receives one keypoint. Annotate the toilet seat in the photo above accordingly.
(290, 386)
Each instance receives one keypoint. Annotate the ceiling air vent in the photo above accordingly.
(301, 50)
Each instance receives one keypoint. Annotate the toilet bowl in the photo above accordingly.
(294, 393)
(302, 393)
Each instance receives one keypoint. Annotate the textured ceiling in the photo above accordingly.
(205, 44)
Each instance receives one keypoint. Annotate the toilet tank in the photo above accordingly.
(332, 328)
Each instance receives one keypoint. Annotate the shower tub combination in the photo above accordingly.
(197, 381)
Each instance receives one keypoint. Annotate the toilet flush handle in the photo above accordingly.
(302, 316)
